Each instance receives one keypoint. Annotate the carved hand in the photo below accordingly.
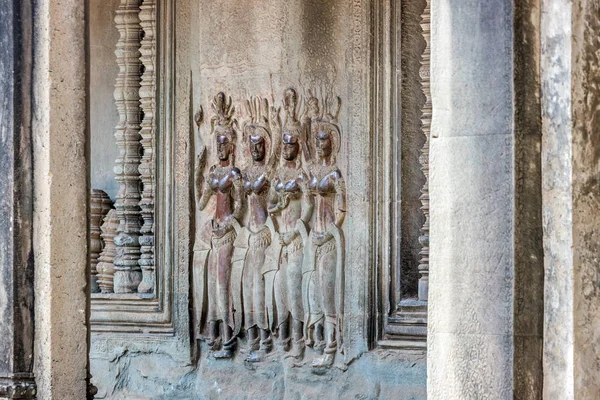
(274, 118)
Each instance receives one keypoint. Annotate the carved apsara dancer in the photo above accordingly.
(323, 279)
(256, 236)
(291, 204)
(214, 248)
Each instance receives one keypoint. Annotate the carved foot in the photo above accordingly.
(286, 344)
(319, 345)
(324, 361)
(255, 356)
(297, 350)
(223, 354)
(266, 345)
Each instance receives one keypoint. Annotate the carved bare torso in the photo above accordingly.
(324, 184)
(288, 187)
(256, 186)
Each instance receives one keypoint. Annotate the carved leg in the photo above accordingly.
(299, 344)
(215, 341)
(284, 335)
(228, 343)
(326, 273)
(266, 342)
(253, 340)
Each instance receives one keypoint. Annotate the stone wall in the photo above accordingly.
(246, 49)
(103, 70)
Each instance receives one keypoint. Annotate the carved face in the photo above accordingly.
(257, 148)
(291, 147)
(324, 145)
(224, 148)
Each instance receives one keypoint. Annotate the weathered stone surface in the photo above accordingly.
(381, 374)
(60, 199)
(16, 207)
(571, 198)
(103, 36)
(484, 336)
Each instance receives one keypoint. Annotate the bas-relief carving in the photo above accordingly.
(269, 250)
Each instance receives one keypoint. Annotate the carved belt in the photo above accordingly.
(326, 247)
(224, 240)
(295, 245)
(261, 238)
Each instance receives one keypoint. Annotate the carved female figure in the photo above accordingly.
(324, 270)
(217, 237)
(256, 236)
(291, 204)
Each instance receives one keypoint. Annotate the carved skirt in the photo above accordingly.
(219, 279)
(324, 281)
(288, 282)
(253, 281)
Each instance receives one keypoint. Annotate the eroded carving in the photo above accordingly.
(290, 202)
(214, 249)
(269, 250)
(323, 274)
(262, 153)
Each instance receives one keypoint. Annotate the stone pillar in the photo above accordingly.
(571, 194)
(484, 167)
(60, 199)
(16, 207)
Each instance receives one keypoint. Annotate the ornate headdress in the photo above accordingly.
(222, 123)
(258, 126)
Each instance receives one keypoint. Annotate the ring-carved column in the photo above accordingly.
(148, 102)
(127, 97)
(424, 158)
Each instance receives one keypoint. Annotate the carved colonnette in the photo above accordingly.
(127, 98)
(100, 204)
(105, 267)
(405, 326)
(147, 133)
(424, 158)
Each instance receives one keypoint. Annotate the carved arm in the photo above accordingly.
(340, 201)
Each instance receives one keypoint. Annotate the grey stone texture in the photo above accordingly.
(484, 338)
(571, 198)
(381, 374)
(16, 209)
(103, 70)
(60, 195)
